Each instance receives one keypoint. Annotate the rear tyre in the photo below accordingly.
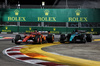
(89, 37)
(50, 38)
(68, 37)
(17, 37)
(62, 38)
(74, 40)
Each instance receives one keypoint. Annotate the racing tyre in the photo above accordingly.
(38, 39)
(68, 37)
(50, 38)
(74, 40)
(89, 37)
(62, 38)
(17, 37)
(83, 38)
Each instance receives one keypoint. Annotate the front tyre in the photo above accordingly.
(17, 37)
(38, 39)
(62, 38)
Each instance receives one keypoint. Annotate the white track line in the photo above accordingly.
(17, 56)
(34, 61)
(13, 51)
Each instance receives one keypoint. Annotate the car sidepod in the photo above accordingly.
(81, 38)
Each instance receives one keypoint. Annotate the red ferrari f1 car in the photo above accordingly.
(33, 38)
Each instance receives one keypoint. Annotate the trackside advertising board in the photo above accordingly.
(50, 15)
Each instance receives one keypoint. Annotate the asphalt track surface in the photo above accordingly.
(90, 50)
(7, 61)
(63, 49)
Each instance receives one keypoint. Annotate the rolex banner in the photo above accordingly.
(50, 15)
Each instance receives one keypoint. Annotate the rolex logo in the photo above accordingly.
(30, 28)
(92, 29)
(46, 12)
(6, 28)
(77, 12)
(16, 12)
(54, 29)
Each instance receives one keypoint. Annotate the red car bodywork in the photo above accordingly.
(33, 35)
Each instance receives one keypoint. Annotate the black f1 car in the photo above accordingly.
(76, 37)
(33, 38)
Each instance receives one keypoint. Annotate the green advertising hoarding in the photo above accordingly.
(9, 29)
(55, 30)
(50, 15)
